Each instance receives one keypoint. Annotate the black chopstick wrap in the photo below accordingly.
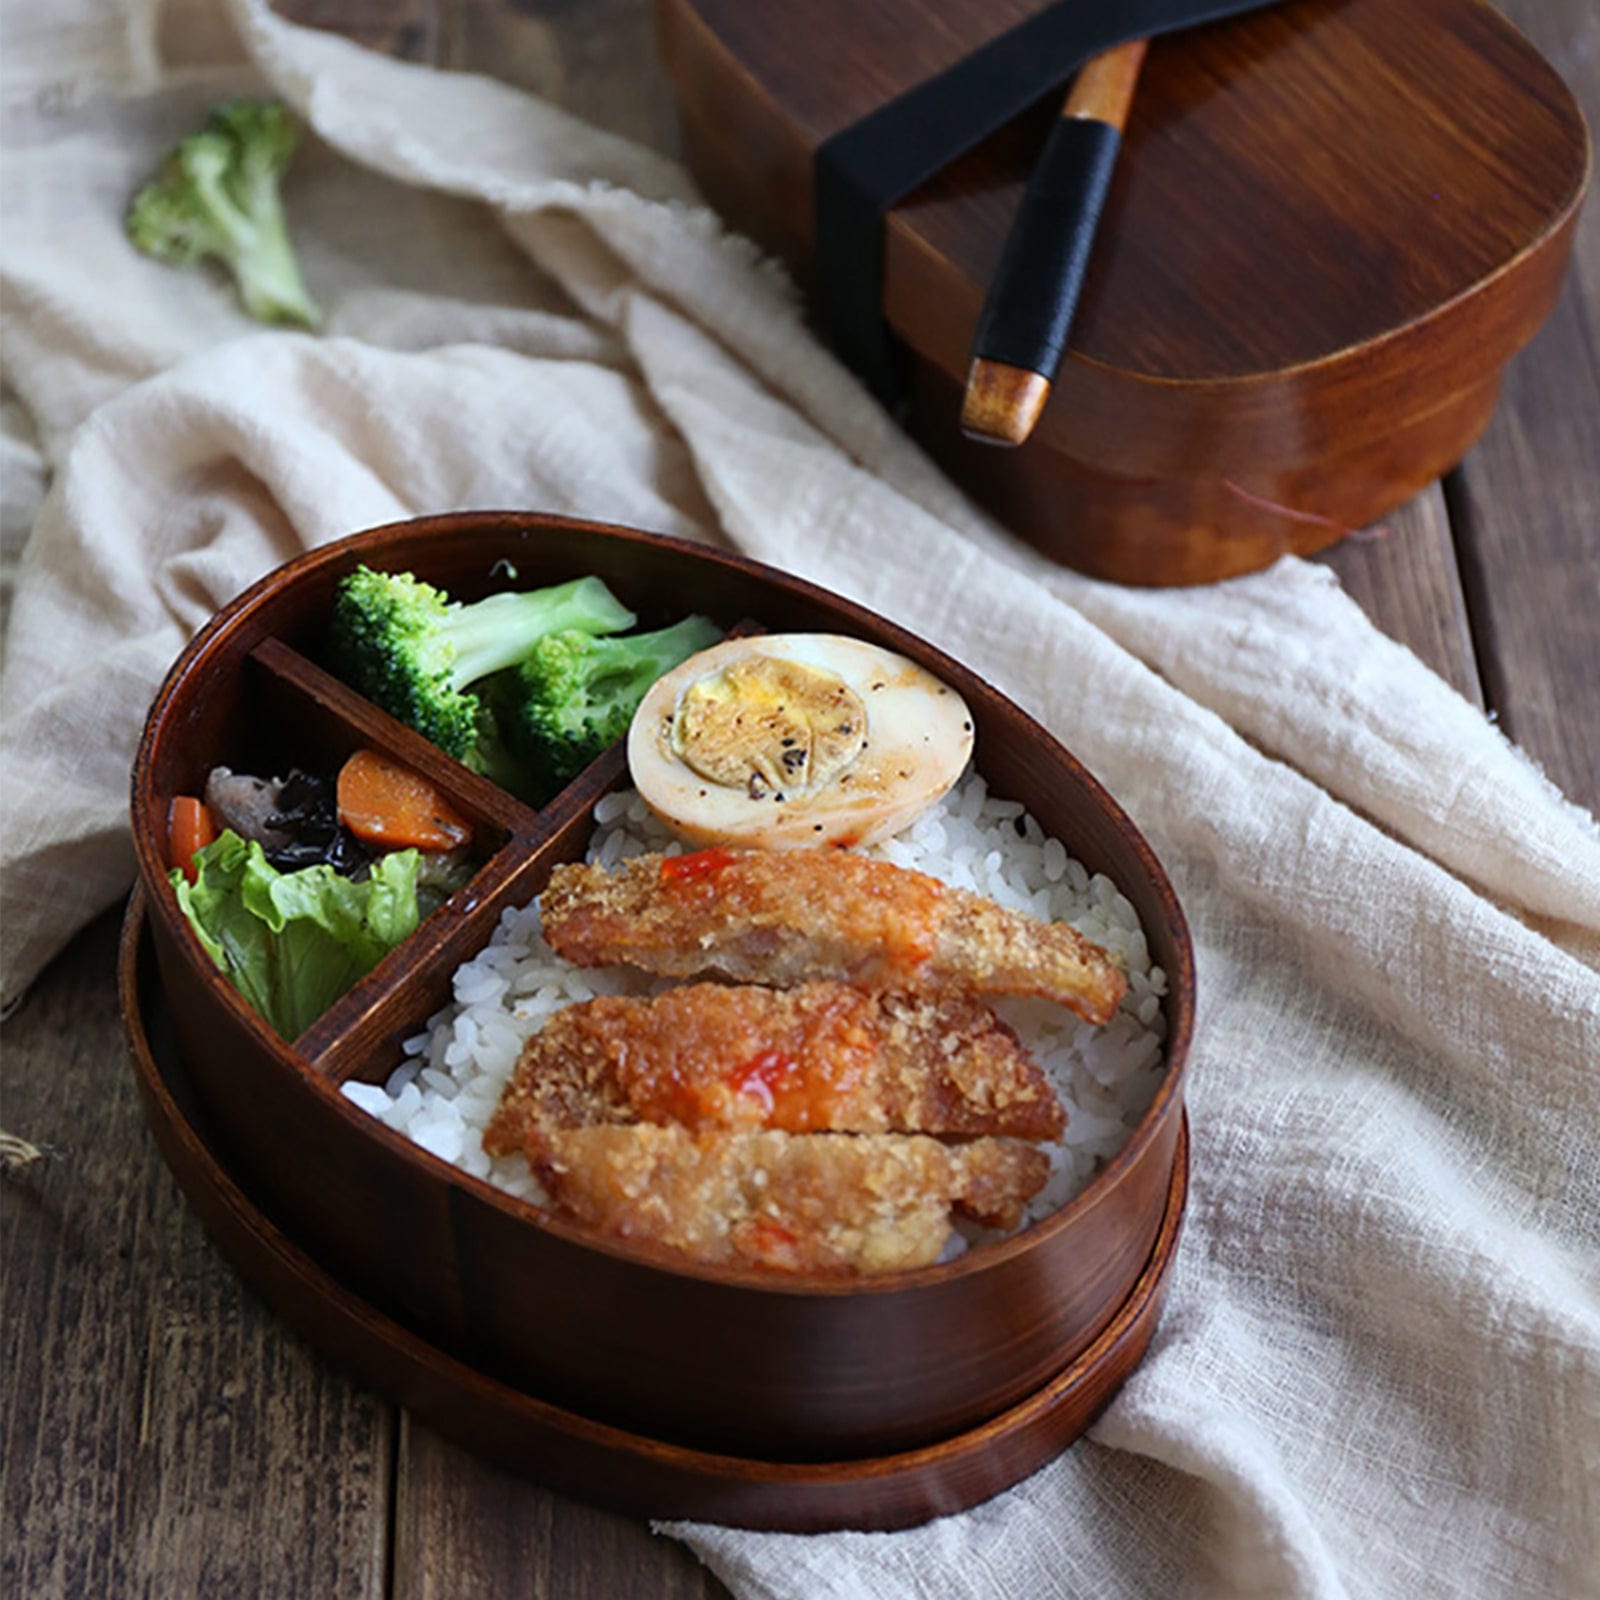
(867, 167)
(1028, 313)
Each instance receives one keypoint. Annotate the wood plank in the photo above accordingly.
(596, 59)
(1525, 502)
(1404, 576)
(409, 29)
(466, 1528)
(164, 1433)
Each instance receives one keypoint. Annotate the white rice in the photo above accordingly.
(445, 1091)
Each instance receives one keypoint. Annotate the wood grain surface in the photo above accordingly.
(1330, 225)
(164, 1435)
(1525, 505)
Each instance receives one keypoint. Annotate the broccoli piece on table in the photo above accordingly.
(412, 650)
(573, 695)
(217, 195)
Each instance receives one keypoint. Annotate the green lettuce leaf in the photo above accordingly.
(292, 942)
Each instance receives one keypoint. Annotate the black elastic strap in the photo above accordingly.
(1028, 314)
(866, 168)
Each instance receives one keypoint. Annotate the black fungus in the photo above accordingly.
(308, 812)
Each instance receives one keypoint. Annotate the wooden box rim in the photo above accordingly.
(1179, 1001)
(389, 1355)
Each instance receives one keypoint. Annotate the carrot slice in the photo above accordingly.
(190, 827)
(387, 804)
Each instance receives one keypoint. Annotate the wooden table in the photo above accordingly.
(165, 1435)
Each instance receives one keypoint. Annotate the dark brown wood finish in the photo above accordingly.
(465, 1526)
(164, 1434)
(619, 1334)
(1002, 403)
(644, 1476)
(84, 1378)
(1403, 574)
(408, 29)
(1332, 224)
(1526, 503)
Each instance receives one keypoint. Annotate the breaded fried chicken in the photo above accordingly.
(781, 917)
(821, 1057)
(821, 1202)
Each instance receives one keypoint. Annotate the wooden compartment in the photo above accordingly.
(796, 1369)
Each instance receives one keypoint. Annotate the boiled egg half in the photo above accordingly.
(785, 740)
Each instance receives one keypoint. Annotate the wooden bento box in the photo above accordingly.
(1331, 225)
(894, 1386)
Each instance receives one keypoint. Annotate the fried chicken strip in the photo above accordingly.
(822, 1202)
(821, 1057)
(781, 917)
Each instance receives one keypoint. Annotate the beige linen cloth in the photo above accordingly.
(1379, 1370)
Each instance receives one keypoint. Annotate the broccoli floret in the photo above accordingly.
(574, 695)
(411, 649)
(217, 195)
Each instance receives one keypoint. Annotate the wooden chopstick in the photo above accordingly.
(1004, 398)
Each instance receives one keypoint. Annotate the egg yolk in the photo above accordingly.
(769, 727)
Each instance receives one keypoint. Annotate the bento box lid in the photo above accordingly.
(1328, 221)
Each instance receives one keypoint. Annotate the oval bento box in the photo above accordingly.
(784, 1370)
